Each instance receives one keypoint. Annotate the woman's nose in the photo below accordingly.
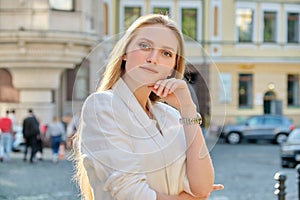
(152, 57)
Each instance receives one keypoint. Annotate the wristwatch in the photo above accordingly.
(191, 121)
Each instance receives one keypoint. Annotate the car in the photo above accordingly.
(18, 142)
(275, 128)
(290, 150)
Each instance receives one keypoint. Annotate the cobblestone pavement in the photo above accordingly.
(246, 170)
(43, 180)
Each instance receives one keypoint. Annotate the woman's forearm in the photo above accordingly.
(160, 196)
(182, 196)
(199, 167)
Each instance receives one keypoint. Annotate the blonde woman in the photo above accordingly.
(139, 136)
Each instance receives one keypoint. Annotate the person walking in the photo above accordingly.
(12, 116)
(6, 127)
(31, 132)
(71, 129)
(56, 133)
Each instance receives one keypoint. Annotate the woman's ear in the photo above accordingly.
(124, 57)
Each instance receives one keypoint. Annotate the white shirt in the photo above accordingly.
(125, 155)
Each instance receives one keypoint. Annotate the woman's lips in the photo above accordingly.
(149, 69)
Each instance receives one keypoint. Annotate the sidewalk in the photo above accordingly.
(43, 180)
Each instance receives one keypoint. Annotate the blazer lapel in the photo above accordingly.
(144, 123)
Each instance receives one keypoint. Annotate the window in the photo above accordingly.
(255, 121)
(270, 23)
(293, 90)
(189, 19)
(161, 10)
(293, 28)
(7, 91)
(189, 22)
(131, 14)
(225, 88)
(63, 5)
(272, 121)
(78, 82)
(245, 90)
(244, 24)
(162, 7)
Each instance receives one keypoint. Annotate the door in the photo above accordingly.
(269, 102)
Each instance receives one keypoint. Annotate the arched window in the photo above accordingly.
(7, 92)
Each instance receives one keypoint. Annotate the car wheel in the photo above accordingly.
(281, 138)
(233, 138)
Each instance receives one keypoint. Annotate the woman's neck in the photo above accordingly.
(141, 92)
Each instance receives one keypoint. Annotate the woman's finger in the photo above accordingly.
(159, 86)
(217, 187)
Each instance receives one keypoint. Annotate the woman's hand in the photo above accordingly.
(173, 91)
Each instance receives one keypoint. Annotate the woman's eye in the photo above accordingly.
(144, 45)
(167, 53)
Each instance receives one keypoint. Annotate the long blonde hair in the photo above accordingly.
(114, 70)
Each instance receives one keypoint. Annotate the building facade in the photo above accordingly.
(42, 44)
(243, 56)
(256, 46)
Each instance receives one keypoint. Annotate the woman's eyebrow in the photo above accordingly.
(165, 47)
(150, 41)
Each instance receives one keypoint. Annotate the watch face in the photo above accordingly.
(67, 5)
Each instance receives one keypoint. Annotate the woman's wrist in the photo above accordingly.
(188, 110)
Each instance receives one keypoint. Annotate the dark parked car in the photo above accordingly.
(275, 128)
(290, 150)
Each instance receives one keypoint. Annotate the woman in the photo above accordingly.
(56, 133)
(130, 145)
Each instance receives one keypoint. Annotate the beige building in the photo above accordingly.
(42, 44)
(249, 63)
(250, 60)
(257, 50)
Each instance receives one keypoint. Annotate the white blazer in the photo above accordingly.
(125, 154)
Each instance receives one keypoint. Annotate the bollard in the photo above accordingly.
(298, 170)
(280, 186)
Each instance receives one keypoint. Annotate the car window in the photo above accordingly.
(287, 121)
(294, 135)
(273, 121)
(255, 121)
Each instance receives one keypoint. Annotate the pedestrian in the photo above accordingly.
(31, 133)
(71, 129)
(56, 133)
(139, 135)
(7, 135)
(12, 116)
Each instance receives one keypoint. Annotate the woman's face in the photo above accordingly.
(151, 55)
